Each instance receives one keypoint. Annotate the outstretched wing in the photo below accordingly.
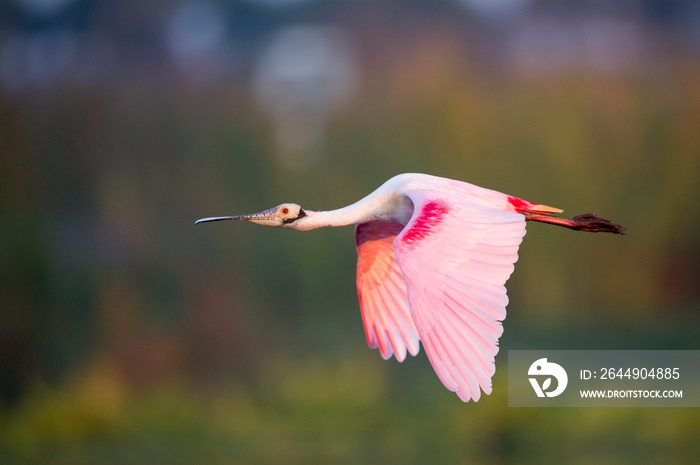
(455, 256)
(382, 291)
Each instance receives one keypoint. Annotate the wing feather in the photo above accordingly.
(382, 291)
(456, 255)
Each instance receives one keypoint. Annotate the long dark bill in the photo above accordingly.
(219, 218)
(265, 215)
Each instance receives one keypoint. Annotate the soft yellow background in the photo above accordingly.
(128, 335)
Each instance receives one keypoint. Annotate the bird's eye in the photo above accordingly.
(285, 211)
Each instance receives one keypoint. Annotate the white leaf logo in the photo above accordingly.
(542, 368)
(546, 384)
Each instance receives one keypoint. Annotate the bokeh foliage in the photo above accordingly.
(127, 335)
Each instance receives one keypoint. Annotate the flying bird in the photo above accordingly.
(434, 255)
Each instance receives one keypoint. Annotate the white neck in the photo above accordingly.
(378, 206)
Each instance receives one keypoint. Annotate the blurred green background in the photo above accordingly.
(129, 336)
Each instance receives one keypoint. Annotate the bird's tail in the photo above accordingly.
(588, 222)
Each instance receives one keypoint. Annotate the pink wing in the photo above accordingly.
(382, 291)
(455, 257)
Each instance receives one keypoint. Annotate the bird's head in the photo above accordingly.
(282, 216)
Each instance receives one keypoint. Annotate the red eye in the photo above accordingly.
(285, 211)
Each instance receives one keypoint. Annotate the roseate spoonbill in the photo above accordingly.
(433, 258)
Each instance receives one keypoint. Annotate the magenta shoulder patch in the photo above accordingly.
(431, 216)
